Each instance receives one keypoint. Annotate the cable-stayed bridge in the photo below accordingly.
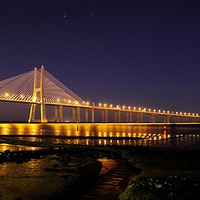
(39, 88)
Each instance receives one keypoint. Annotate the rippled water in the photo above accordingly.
(165, 135)
(114, 175)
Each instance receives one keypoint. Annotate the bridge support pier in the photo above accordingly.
(86, 115)
(115, 116)
(118, 116)
(73, 114)
(106, 115)
(92, 113)
(32, 113)
(102, 116)
(78, 116)
(166, 118)
(127, 117)
(139, 117)
(58, 113)
(131, 117)
(152, 118)
(177, 119)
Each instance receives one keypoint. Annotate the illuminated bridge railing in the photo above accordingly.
(145, 111)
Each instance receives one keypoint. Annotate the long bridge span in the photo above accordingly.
(39, 88)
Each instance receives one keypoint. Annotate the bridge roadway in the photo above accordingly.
(168, 116)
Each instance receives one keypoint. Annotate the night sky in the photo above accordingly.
(128, 52)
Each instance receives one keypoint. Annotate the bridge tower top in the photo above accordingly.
(38, 96)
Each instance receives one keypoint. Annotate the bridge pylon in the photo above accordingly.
(38, 97)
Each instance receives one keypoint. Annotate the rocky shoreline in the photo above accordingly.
(165, 174)
(162, 173)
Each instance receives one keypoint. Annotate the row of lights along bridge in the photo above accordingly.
(139, 109)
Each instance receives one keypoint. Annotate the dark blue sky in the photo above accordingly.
(134, 52)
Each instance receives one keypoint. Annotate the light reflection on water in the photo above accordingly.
(102, 134)
(4, 147)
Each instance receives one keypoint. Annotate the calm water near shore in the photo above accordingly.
(122, 134)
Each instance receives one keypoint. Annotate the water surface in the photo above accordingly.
(120, 134)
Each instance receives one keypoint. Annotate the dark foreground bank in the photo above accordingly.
(165, 174)
(161, 173)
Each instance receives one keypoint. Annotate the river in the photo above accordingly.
(118, 134)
